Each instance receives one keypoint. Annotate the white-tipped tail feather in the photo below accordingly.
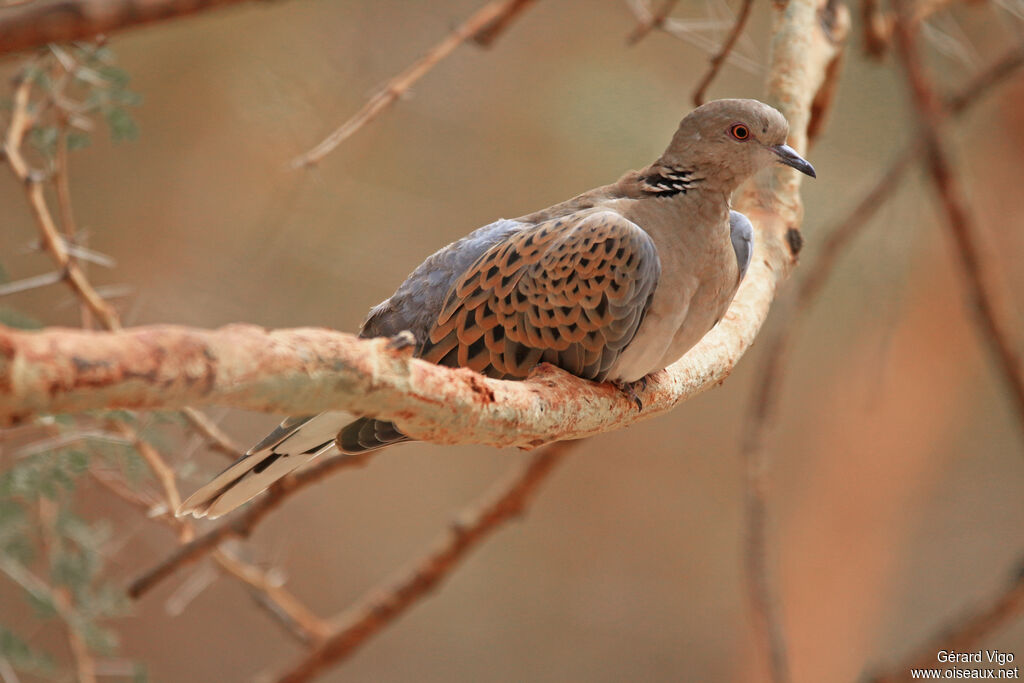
(290, 446)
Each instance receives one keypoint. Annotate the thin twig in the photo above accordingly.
(163, 473)
(988, 303)
(380, 607)
(85, 664)
(306, 626)
(21, 121)
(34, 282)
(719, 58)
(964, 633)
(59, 247)
(63, 190)
(282, 605)
(72, 618)
(489, 33)
(652, 21)
(490, 15)
(689, 31)
(215, 437)
(242, 524)
(999, 71)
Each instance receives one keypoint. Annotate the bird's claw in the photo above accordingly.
(632, 390)
(403, 340)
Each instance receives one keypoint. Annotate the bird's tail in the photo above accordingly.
(294, 443)
(367, 434)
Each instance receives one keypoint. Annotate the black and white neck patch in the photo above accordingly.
(666, 182)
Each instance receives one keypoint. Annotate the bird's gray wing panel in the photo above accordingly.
(741, 232)
(417, 302)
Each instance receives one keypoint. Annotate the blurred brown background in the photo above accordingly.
(896, 490)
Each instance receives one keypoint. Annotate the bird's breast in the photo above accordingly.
(699, 276)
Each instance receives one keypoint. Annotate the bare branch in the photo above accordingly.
(36, 23)
(999, 71)
(34, 282)
(248, 367)
(280, 603)
(85, 664)
(382, 606)
(308, 370)
(62, 250)
(490, 32)
(483, 25)
(215, 437)
(825, 27)
(835, 19)
(21, 121)
(242, 523)
(966, 632)
(308, 627)
(988, 303)
(719, 58)
(768, 386)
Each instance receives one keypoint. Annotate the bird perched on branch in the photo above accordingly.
(613, 284)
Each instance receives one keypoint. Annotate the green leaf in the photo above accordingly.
(77, 462)
(10, 514)
(20, 548)
(44, 139)
(37, 73)
(42, 605)
(22, 657)
(127, 98)
(78, 140)
(118, 77)
(122, 125)
(126, 416)
(99, 639)
(18, 320)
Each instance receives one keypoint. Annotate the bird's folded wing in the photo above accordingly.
(570, 291)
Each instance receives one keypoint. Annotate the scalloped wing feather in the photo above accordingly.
(570, 291)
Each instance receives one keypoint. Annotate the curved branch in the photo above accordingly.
(309, 370)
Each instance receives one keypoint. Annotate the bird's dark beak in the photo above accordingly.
(789, 157)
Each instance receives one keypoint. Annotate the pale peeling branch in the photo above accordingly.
(308, 370)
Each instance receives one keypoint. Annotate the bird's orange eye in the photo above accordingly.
(739, 131)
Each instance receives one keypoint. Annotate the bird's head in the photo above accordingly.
(730, 140)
